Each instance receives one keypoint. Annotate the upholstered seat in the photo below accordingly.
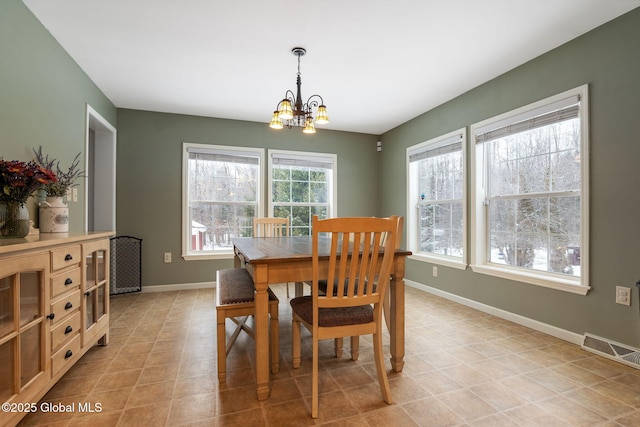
(235, 300)
(328, 317)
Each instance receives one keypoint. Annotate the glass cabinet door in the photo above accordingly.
(22, 325)
(8, 337)
(31, 323)
(96, 293)
(7, 365)
(90, 309)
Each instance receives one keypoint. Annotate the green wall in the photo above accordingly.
(43, 97)
(607, 59)
(149, 179)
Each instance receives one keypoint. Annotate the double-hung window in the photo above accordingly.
(221, 195)
(302, 185)
(436, 211)
(530, 201)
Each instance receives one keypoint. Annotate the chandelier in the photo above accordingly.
(292, 112)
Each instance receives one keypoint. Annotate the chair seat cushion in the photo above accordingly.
(235, 286)
(329, 317)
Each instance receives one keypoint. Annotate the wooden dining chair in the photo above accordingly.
(357, 276)
(271, 227)
(386, 306)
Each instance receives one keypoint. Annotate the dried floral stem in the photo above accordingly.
(66, 179)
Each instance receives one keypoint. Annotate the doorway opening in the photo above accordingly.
(100, 191)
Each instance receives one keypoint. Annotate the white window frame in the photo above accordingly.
(479, 220)
(187, 253)
(413, 199)
(305, 156)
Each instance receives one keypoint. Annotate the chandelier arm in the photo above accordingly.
(315, 103)
(290, 96)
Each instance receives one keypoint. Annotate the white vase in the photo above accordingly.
(54, 216)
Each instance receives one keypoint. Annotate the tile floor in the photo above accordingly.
(463, 368)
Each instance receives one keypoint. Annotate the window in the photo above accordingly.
(302, 185)
(531, 208)
(436, 212)
(221, 195)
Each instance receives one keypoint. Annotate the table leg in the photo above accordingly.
(397, 316)
(260, 275)
(299, 289)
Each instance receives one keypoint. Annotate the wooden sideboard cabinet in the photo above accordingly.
(54, 306)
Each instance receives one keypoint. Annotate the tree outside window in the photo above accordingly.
(534, 198)
(302, 185)
(437, 199)
(222, 191)
(530, 180)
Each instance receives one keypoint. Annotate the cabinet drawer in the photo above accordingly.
(66, 356)
(65, 306)
(65, 331)
(65, 282)
(64, 257)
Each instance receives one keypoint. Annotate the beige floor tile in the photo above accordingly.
(571, 412)
(467, 405)
(146, 394)
(151, 415)
(197, 407)
(111, 400)
(121, 379)
(104, 419)
(388, 417)
(602, 404)
(430, 412)
(235, 400)
(331, 406)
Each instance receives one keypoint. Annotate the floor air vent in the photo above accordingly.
(612, 350)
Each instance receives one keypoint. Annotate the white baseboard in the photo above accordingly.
(179, 287)
(554, 331)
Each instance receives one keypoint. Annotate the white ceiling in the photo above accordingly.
(376, 63)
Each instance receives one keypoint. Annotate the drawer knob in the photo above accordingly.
(87, 293)
(51, 316)
(68, 281)
(68, 257)
(68, 306)
(68, 330)
(68, 354)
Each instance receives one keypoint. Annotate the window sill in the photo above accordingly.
(440, 260)
(208, 256)
(547, 281)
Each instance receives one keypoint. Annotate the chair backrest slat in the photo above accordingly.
(270, 227)
(360, 259)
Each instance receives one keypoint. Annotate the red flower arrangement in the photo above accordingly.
(19, 179)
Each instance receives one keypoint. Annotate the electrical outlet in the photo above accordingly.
(435, 271)
(623, 295)
(75, 194)
(167, 257)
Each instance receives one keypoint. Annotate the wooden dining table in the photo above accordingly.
(272, 260)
